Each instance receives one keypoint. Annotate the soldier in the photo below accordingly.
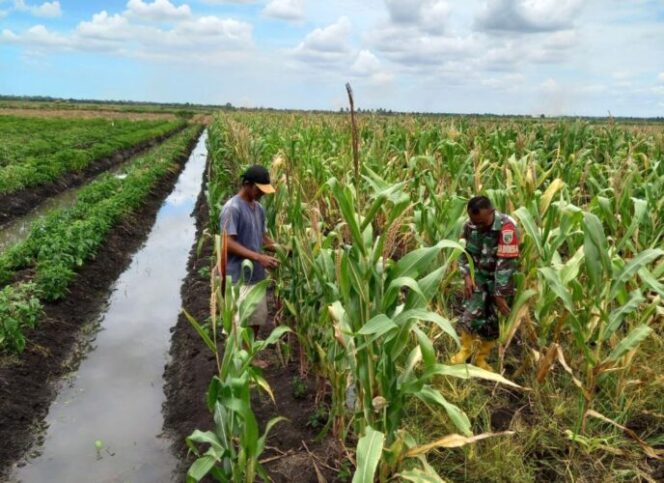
(493, 243)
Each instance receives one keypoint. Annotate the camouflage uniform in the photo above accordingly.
(495, 256)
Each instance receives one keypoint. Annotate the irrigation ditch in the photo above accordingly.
(105, 320)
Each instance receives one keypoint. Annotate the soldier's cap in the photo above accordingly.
(260, 176)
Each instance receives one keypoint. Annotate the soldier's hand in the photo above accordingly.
(503, 308)
(468, 286)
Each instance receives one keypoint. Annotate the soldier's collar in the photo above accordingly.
(497, 221)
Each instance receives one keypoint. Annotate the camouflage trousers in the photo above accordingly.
(480, 314)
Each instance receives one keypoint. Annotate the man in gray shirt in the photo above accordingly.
(243, 218)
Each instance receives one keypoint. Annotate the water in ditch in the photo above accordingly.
(105, 423)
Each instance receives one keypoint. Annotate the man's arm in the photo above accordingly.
(236, 248)
(268, 244)
(464, 266)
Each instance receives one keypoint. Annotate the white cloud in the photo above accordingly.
(285, 9)
(528, 15)
(549, 86)
(46, 9)
(505, 82)
(202, 37)
(226, 2)
(410, 46)
(105, 27)
(430, 15)
(158, 11)
(326, 45)
(37, 35)
(367, 65)
(660, 77)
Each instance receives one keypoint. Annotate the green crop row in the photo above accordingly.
(372, 286)
(66, 239)
(36, 151)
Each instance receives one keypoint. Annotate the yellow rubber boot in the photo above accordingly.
(482, 353)
(466, 349)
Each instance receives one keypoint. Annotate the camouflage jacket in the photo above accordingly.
(495, 253)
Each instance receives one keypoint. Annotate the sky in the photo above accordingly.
(552, 57)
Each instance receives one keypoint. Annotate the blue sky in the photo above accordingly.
(571, 57)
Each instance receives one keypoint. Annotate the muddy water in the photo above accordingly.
(115, 398)
(18, 229)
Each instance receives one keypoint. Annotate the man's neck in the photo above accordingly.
(246, 196)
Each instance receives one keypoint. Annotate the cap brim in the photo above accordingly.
(266, 188)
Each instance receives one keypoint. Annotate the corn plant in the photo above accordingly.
(235, 444)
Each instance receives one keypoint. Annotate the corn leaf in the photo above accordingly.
(632, 340)
(369, 451)
(458, 417)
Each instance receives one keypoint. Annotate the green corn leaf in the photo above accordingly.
(268, 427)
(649, 279)
(617, 316)
(369, 451)
(344, 198)
(207, 437)
(427, 316)
(251, 300)
(428, 352)
(633, 266)
(430, 285)
(418, 475)
(200, 468)
(201, 332)
(379, 325)
(466, 371)
(276, 334)
(411, 264)
(595, 250)
(395, 286)
(414, 358)
(640, 211)
(632, 340)
(530, 228)
(458, 417)
(553, 280)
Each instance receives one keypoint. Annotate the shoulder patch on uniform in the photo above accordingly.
(508, 242)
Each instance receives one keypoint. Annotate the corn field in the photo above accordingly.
(369, 286)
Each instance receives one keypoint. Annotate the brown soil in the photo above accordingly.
(18, 204)
(291, 449)
(85, 114)
(28, 383)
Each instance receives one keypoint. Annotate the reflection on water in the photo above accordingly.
(104, 426)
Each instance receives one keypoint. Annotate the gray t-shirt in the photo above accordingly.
(247, 223)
